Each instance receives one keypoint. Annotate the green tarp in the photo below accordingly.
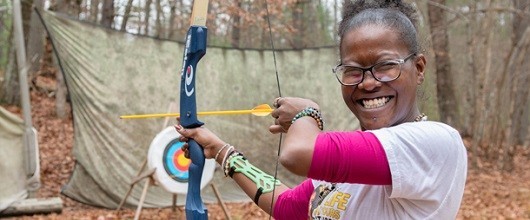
(12, 159)
(111, 73)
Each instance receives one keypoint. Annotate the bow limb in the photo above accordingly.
(195, 49)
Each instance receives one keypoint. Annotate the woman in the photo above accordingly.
(399, 166)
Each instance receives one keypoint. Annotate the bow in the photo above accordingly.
(195, 49)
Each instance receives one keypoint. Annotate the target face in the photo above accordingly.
(166, 155)
(175, 163)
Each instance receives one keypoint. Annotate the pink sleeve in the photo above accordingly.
(350, 157)
(294, 203)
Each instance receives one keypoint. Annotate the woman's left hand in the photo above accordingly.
(285, 110)
(209, 141)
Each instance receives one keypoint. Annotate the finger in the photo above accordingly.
(276, 102)
(275, 129)
(181, 130)
(183, 139)
(275, 113)
(185, 149)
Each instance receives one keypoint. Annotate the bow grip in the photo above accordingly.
(195, 208)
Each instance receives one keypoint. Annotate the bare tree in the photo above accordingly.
(35, 44)
(448, 108)
(520, 23)
(126, 15)
(147, 12)
(107, 14)
(298, 12)
(236, 25)
(159, 19)
(94, 11)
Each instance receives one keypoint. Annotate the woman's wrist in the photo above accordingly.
(220, 151)
(313, 113)
(224, 153)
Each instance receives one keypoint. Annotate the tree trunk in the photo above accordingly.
(26, 18)
(514, 64)
(172, 16)
(520, 23)
(126, 15)
(484, 82)
(94, 11)
(447, 102)
(299, 24)
(471, 92)
(236, 25)
(159, 19)
(107, 15)
(35, 44)
(147, 16)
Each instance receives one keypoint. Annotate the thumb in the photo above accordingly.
(275, 129)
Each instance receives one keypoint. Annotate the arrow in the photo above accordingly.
(260, 110)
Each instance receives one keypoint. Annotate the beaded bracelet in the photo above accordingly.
(219, 152)
(227, 153)
(311, 112)
(226, 164)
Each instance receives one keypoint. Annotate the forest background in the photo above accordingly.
(477, 79)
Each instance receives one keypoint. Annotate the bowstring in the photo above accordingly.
(279, 95)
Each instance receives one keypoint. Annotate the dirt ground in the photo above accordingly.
(489, 194)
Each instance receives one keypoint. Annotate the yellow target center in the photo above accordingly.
(183, 161)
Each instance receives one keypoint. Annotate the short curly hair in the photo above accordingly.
(394, 14)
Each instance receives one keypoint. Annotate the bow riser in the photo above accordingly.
(194, 51)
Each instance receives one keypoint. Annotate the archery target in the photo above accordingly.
(166, 155)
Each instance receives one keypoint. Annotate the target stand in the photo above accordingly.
(167, 166)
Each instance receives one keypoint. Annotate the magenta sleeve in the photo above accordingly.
(350, 157)
(294, 203)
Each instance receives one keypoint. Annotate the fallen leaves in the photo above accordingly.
(489, 194)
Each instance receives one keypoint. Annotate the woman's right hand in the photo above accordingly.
(285, 110)
(204, 137)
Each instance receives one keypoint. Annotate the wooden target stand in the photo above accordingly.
(154, 171)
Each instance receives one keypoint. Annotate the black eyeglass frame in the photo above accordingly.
(371, 70)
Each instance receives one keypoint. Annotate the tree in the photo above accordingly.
(35, 42)
(448, 108)
(107, 14)
(521, 23)
(236, 25)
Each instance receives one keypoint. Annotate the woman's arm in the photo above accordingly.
(352, 157)
(213, 148)
(307, 151)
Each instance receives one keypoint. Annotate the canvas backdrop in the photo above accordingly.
(111, 73)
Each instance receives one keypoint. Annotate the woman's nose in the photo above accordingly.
(369, 82)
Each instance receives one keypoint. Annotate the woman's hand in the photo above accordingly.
(204, 137)
(286, 109)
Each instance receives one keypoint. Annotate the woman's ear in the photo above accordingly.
(420, 64)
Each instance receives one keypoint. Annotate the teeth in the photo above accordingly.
(375, 103)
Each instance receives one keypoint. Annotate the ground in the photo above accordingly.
(489, 194)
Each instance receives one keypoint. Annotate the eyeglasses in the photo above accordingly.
(385, 71)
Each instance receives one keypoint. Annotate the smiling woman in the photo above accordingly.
(398, 166)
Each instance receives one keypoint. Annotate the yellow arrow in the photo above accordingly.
(260, 110)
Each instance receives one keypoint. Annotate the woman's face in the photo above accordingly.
(381, 104)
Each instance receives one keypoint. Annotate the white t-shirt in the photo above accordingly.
(428, 164)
